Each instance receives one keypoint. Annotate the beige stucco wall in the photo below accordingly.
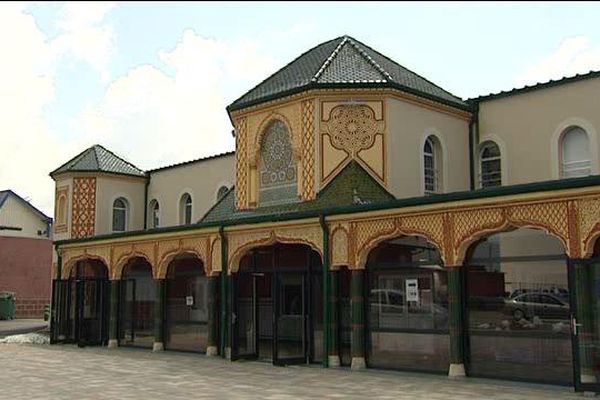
(16, 214)
(527, 128)
(201, 179)
(407, 127)
(108, 189)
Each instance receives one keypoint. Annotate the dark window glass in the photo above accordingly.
(119, 215)
(187, 305)
(137, 300)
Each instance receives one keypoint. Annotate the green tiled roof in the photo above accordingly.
(99, 159)
(343, 62)
(353, 185)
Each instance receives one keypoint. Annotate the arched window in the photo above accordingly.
(154, 216)
(431, 165)
(575, 153)
(185, 209)
(120, 214)
(277, 177)
(490, 173)
(61, 213)
(221, 192)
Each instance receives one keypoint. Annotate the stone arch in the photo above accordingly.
(271, 239)
(260, 133)
(119, 266)
(163, 265)
(363, 255)
(506, 226)
(68, 265)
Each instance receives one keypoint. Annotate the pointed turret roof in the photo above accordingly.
(343, 62)
(99, 159)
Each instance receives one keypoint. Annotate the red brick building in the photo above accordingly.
(25, 254)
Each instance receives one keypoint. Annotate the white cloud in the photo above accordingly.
(28, 150)
(153, 118)
(85, 35)
(574, 55)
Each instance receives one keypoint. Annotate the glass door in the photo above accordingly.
(290, 322)
(127, 312)
(585, 324)
(244, 317)
(92, 311)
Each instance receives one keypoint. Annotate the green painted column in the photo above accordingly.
(113, 327)
(456, 320)
(56, 314)
(213, 313)
(584, 278)
(334, 350)
(326, 292)
(225, 343)
(358, 319)
(159, 315)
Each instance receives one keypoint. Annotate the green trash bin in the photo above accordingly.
(7, 305)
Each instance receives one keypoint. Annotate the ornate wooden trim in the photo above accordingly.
(589, 224)
(83, 210)
(340, 246)
(473, 224)
(71, 257)
(168, 250)
(241, 162)
(307, 181)
(371, 233)
(240, 242)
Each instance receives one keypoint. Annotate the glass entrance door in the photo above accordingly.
(290, 338)
(585, 324)
(92, 312)
(245, 317)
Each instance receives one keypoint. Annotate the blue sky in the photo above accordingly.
(150, 81)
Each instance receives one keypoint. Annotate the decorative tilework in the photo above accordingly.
(83, 218)
(241, 164)
(308, 150)
(277, 176)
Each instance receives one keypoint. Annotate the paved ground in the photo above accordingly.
(15, 326)
(69, 372)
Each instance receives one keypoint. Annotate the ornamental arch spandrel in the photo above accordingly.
(72, 256)
(168, 250)
(240, 242)
(369, 234)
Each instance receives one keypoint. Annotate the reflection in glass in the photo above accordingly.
(138, 295)
(407, 306)
(187, 305)
(519, 308)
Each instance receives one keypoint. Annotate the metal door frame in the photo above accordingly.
(576, 346)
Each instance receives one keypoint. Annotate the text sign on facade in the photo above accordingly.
(412, 290)
(189, 300)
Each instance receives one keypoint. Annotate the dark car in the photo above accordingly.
(542, 305)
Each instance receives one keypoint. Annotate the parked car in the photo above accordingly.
(389, 303)
(532, 304)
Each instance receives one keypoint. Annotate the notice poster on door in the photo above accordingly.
(189, 300)
(412, 290)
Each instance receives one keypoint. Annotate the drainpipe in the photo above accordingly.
(326, 294)
(146, 202)
(224, 297)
